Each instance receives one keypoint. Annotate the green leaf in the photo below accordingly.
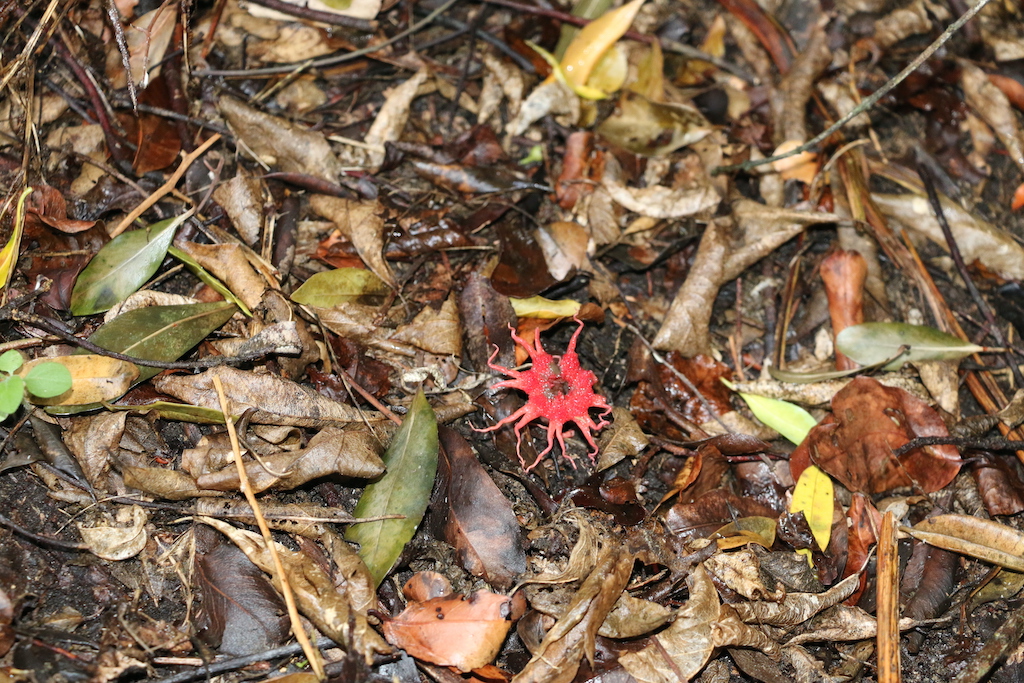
(208, 278)
(11, 361)
(789, 420)
(164, 333)
(12, 391)
(339, 286)
(122, 265)
(176, 412)
(405, 488)
(871, 343)
(47, 380)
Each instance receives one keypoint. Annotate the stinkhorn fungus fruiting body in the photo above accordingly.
(558, 390)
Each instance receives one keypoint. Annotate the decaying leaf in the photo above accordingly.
(871, 343)
(276, 400)
(796, 608)
(981, 539)
(680, 651)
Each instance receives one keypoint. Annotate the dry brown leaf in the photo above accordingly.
(242, 198)
(679, 652)
(657, 201)
(550, 97)
(93, 439)
(331, 452)
(797, 607)
(361, 9)
(622, 439)
(653, 128)
(147, 38)
(228, 262)
(741, 572)
(280, 143)
(116, 537)
(162, 483)
(558, 657)
(979, 538)
(362, 223)
(391, 118)
(435, 331)
(318, 599)
(276, 400)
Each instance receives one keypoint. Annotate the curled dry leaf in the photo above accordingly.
(558, 656)
(242, 198)
(653, 128)
(276, 400)
(463, 631)
(117, 538)
(162, 483)
(680, 651)
(623, 439)
(331, 452)
(796, 608)
(994, 107)
(658, 201)
(391, 117)
(981, 539)
(741, 572)
(868, 422)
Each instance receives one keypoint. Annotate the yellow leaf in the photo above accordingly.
(584, 91)
(539, 307)
(813, 496)
(594, 39)
(9, 254)
(94, 379)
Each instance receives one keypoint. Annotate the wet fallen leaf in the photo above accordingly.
(411, 462)
(476, 519)
(869, 421)
(122, 266)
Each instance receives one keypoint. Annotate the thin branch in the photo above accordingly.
(303, 12)
(868, 101)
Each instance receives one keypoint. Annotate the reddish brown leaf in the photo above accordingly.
(772, 36)
(864, 523)
(710, 512)
(870, 422)
(580, 166)
(47, 205)
(156, 137)
(844, 273)
(998, 485)
(522, 271)
(474, 517)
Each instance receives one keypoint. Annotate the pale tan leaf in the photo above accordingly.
(93, 439)
(994, 108)
(391, 118)
(116, 538)
(623, 439)
(228, 263)
(657, 201)
(797, 607)
(436, 331)
(242, 198)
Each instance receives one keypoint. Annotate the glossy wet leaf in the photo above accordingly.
(813, 496)
(871, 343)
(411, 462)
(341, 285)
(48, 379)
(788, 419)
(123, 265)
(162, 333)
(979, 538)
(12, 391)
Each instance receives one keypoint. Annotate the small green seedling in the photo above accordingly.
(44, 380)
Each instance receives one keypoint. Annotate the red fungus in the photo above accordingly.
(558, 390)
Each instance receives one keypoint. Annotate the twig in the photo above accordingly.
(330, 61)
(42, 540)
(867, 103)
(303, 12)
(164, 189)
(208, 670)
(312, 654)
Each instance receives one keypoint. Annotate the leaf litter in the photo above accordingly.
(362, 239)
